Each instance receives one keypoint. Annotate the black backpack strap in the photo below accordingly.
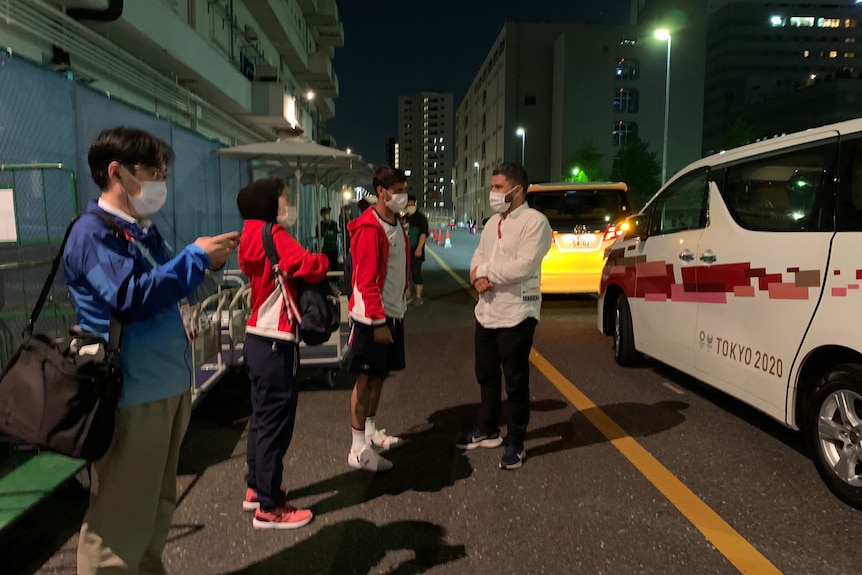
(55, 265)
(272, 256)
(115, 328)
(269, 245)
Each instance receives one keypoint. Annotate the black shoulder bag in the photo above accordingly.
(62, 394)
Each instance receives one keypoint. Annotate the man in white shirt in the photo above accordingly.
(506, 271)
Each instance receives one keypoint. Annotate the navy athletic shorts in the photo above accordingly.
(366, 356)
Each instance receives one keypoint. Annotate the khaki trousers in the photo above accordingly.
(133, 491)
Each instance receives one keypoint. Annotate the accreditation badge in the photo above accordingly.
(531, 290)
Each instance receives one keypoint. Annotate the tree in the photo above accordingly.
(639, 168)
(738, 134)
(584, 165)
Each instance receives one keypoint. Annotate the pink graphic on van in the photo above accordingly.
(655, 281)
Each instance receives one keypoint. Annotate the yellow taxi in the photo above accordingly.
(585, 217)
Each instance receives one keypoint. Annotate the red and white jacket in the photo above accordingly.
(269, 314)
(369, 250)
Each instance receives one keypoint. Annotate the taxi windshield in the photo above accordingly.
(567, 209)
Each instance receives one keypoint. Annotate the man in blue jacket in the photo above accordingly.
(137, 279)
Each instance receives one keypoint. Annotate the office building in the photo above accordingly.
(544, 90)
(779, 67)
(426, 147)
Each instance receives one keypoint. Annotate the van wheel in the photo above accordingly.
(833, 429)
(624, 338)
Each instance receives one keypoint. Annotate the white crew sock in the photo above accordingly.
(358, 441)
(370, 427)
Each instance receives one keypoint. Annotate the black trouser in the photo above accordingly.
(416, 270)
(505, 352)
(333, 259)
(274, 392)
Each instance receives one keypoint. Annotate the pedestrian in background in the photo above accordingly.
(506, 271)
(381, 257)
(271, 350)
(327, 236)
(417, 233)
(137, 279)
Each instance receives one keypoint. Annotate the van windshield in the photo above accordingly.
(567, 209)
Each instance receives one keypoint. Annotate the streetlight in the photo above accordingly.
(523, 133)
(665, 35)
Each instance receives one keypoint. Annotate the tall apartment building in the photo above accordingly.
(781, 66)
(236, 70)
(562, 85)
(426, 147)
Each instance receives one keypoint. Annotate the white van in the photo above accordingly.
(744, 271)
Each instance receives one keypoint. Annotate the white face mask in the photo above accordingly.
(397, 203)
(498, 201)
(152, 198)
(411, 210)
(288, 218)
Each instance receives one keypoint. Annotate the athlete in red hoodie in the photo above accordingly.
(271, 349)
(381, 258)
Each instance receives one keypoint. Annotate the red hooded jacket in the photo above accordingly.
(269, 316)
(369, 250)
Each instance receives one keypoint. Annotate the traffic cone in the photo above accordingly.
(448, 244)
(440, 237)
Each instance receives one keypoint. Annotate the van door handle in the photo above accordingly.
(708, 257)
(686, 256)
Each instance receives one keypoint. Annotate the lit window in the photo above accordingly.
(627, 69)
(850, 23)
(625, 100)
(849, 54)
(805, 54)
(833, 53)
(621, 132)
(849, 40)
(802, 21)
(777, 21)
(828, 22)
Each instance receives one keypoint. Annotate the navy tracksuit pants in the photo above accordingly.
(272, 366)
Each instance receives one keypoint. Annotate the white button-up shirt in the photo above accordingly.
(510, 255)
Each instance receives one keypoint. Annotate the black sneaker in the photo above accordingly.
(513, 458)
(478, 438)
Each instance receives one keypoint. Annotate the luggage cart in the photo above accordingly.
(207, 355)
(329, 355)
(235, 316)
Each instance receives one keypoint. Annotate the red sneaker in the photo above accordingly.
(285, 517)
(251, 501)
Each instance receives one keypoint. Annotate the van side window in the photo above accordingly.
(680, 207)
(848, 211)
(787, 192)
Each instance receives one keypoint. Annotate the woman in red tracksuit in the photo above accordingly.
(271, 349)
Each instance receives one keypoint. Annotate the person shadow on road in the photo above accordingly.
(430, 462)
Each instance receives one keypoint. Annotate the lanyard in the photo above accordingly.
(144, 252)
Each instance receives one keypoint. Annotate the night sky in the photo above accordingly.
(396, 48)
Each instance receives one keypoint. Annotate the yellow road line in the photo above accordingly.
(673, 388)
(726, 539)
(458, 278)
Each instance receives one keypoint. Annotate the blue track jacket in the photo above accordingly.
(106, 273)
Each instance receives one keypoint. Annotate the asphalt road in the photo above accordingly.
(652, 473)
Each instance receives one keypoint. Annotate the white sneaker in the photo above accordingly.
(383, 442)
(368, 459)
